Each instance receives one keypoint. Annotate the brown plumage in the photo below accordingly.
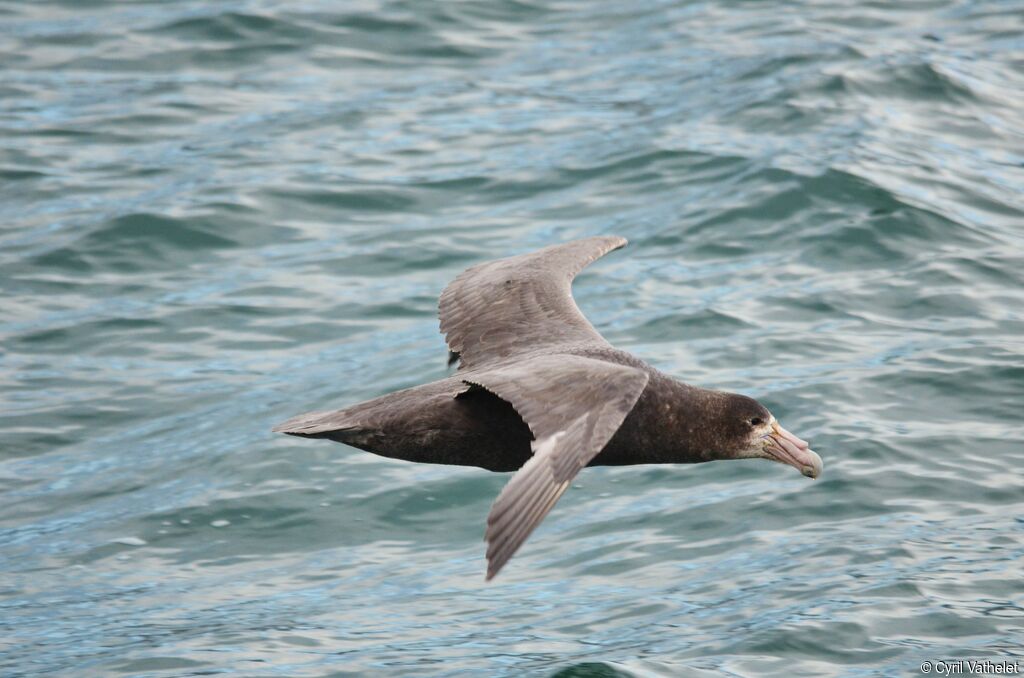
(539, 390)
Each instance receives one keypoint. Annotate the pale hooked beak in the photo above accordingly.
(781, 445)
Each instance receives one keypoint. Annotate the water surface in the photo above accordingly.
(214, 216)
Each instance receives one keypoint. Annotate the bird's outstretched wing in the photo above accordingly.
(520, 304)
(573, 405)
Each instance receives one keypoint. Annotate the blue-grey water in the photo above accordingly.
(216, 215)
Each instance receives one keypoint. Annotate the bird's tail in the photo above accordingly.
(320, 424)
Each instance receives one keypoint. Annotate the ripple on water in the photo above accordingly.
(213, 217)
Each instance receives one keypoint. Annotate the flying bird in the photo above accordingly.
(538, 391)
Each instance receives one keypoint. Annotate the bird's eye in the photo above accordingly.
(756, 421)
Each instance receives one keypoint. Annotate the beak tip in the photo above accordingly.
(813, 469)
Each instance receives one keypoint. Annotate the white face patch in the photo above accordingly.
(757, 442)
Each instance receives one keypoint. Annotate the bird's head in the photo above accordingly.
(747, 430)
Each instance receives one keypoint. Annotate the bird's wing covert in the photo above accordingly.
(515, 305)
